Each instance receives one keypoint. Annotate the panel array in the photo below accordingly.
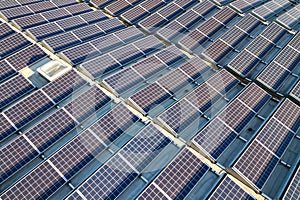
(6, 128)
(243, 6)
(6, 70)
(293, 190)
(12, 44)
(296, 91)
(5, 31)
(291, 18)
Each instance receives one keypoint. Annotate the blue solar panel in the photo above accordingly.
(12, 44)
(6, 71)
(6, 128)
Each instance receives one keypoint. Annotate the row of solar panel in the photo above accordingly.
(5, 30)
(113, 60)
(12, 44)
(293, 189)
(34, 8)
(291, 18)
(51, 16)
(118, 7)
(262, 156)
(210, 28)
(130, 78)
(16, 3)
(258, 51)
(100, 3)
(54, 28)
(243, 6)
(81, 35)
(165, 15)
(185, 23)
(50, 130)
(295, 93)
(39, 102)
(233, 39)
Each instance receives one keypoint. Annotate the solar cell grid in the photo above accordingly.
(263, 12)
(6, 71)
(6, 128)
(75, 195)
(229, 190)
(78, 9)
(118, 7)
(256, 164)
(8, 4)
(149, 44)
(180, 116)
(44, 31)
(135, 14)
(100, 65)
(94, 16)
(289, 58)
(26, 2)
(172, 30)
(185, 4)
(5, 31)
(17, 12)
(88, 32)
(207, 30)
(28, 109)
(77, 153)
(63, 3)
(129, 34)
(215, 138)
(254, 97)
(150, 96)
(12, 44)
(42, 6)
(144, 147)
(204, 7)
(170, 55)
(288, 20)
(195, 67)
(185, 170)
(87, 103)
(126, 54)
(193, 40)
(289, 114)
(111, 25)
(296, 91)
(189, 19)
(41, 183)
(80, 53)
(30, 21)
(236, 115)
(101, 3)
(260, 46)
(107, 42)
(149, 66)
(203, 97)
(152, 192)
(273, 76)
(109, 127)
(174, 81)
(13, 89)
(61, 42)
(295, 42)
(64, 86)
(293, 190)
(274, 32)
(26, 57)
(72, 23)
(56, 14)
(151, 23)
(234, 36)
(14, 156)
(152, 5)
(225, 15)
(170, 11)
(275, 137)
(241, 6)
(218, 50)
(124, 80)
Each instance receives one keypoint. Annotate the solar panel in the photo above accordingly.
(225, 15)
(274, 32)
(44, 31)
(296, 91)
(172, 30)
(77, 154)
(151, 23)
(6, 128)
(144, 147)
(109, 180)
(51, 129)
(195, 67)
(218, 50)
(78, 9)
(241, 6)
(80, 53)
(203, 97)
(223, 81)
(63, 3)
(87, 104)
(293, 189)
(185, 170)
(113, 124)
(17, 12)
(248, 23)
(100, 65)
(61, 42)
(75, 195)
(189, 19)
(30, 21)
(13, 89)
(244, 63)
(88, 32)
(204, 8)
(149, 97)
(26, 2)
(256, 164)
(111, 25)
(71, 23)
(101, 3)
(289, 114)
(129, 34)
(295, 42)
(8, 4)
(260, 46)
(180, 116)
(14, 156)
(149, 44)
(57, 14)
(6, 71)
(234, 36)
(26, 57)
(174, 81)
(94, 16)
(135, 14)
(124, 80)
(64, 86)
(206, 27)
(170, 11)
(107, 43)
(126, 54)
(193, 40)
(42, 6)
(118, 7)
(12, 44)
(236, 115)
(229, 190)
(170, 55)
(28, 109)
(152, 5)
(288, 58)
(5, 31)
(151, 192)
(39, 184)
(149, 66)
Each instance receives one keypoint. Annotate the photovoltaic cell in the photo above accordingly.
(14, 156)
(6, 71)
(215, 138)
(88, 32)
(61, 42)
(149, 66)
(26, 57)
(87, 104)
(5, 31)
(149, 44)
(195, 67)
(12, 44)
(111, 25)
(180, 116)
(64, 86)
(293, 190)
(13, 89)
(185, 170)
(170, 55)
(109, 180)
(6, 128)
(152, 192)
(150, 96)
(296, 91)
(28, 109)
(144, 147)
(72, 23)
(54, 15)
(44, 31)
(78, 9)
(229, 190)
(126, 54)
(256, 164)
(16, 12)
(94, 16)
(41, 183)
